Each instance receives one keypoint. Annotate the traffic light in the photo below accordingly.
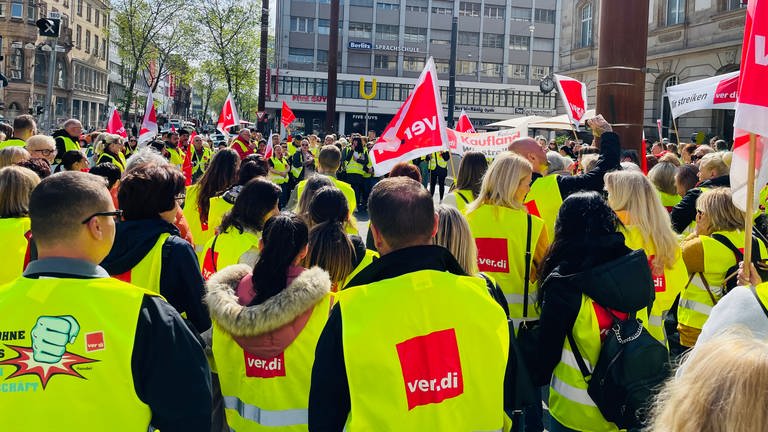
(48, 26)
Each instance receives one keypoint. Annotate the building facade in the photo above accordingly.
(687, 41)
(80, 72)
(499, 42)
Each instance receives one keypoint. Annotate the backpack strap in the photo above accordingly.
(577, 355)
(762, 306)
(527, 258)
(729, 244)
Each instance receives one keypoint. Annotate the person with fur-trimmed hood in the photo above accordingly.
(266, 324)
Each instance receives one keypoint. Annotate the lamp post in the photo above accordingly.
(33, 48)
(532, 29)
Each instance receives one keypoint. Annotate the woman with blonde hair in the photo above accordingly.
(708, 254)
(510, 242)
(719, 388)
(109, 148)
(13, 155)
(662, 176)
(646, 226)
(16, 185)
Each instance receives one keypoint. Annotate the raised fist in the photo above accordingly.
(50, 337)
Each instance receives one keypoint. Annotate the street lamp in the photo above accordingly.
(29, 46)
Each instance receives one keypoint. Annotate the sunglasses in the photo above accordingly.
(117, 214)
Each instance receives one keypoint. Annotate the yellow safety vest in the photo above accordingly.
(69, 144)
(146, 273)
(279, 165)
(296, 170)
(217, 208)
(544, 200)
(200, 162)
(355, 167)
(93, 376)
(177, 156)
(667, 285)
(762, 293)
(269, 394)
(442, 371)
(345, 188)
(229, 247)
(369, 257)
(463, 198)
(13, 142)
(499, 233)
(290, 148)
(106, 157)
(201, 233)
(695, 301)
(13, 231)
(669, 200)
(437, 161)
(569, 402)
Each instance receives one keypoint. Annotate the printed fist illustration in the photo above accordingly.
(50, 337)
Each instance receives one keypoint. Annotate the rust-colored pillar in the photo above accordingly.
(623, 46)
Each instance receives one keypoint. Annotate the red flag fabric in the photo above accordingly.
(115, 125)
(751, 106)
(418, 127)
(186, 167)
(658, 126)
(173, 128)
(464, 124)
(149, 124)
(286, 116)
(228, 116)
(644, 156)
(269, 149)
(573, 93)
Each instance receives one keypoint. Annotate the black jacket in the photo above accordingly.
(329, 400)
(180, 280)
(609, 160)
(169, 368)
(622, 283)
(685, 211)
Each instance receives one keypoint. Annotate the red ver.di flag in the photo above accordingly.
(418, 127)
(573, 93)
(149, 124)
(286, 115)
(464, 124)
(751, 105)
(115, 125)
(228, 116)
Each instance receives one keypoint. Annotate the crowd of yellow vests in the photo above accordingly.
(498, 220)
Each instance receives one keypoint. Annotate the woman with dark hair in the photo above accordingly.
(73, 160)
(220, 176)
(238, 235)
(314, 184)
(468, 181)
(272, 317)
(340, 254)
(589, 277)
(148, 251)
(406, 169)
(250, 168)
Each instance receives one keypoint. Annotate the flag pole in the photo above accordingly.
(748, 215)
(677, 134)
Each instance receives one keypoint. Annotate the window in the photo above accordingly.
(469, 9)
(442, 11)
(103, 49)
(442, 67)
(519, 72)
(387, 32)
(381, 61)
(97, 18)
(79, 7)
(520, 14)
(440, 37)
(469, 38)
(543, 44)
(388, 6)
(362, 3)
(585, 13)
(735, 4)
(466, 67)
(17, 64)
(413, 64)
(540, 71)
(495, 12)
(31, 11)
(103, 17)
(666, 114)
(302, 25)
(414, 8)
(323, 26)
(88, 12)
(519, 43)
(78, 36)
(493, 40)
(300, 55)
(322, 56)
(61, 74)
(415, 34)
(490, 70)
(96, 45)
(675, 12)
(17, 10)
(546, 16)
(87, 41)
(360, 30)
(2, 9)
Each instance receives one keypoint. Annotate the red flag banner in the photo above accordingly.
(417, 129)
(751, 106)
(465, 124)
(286, 115)
(658, 126)
(573, 93)
(228, 116)
(115, 125)
(186, 167)
(149, 124)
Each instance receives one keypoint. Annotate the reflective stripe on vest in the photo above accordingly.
(499, 234)
(278, 165)
(77, 385)
(14, 247)
(442, 371)
(544, 200)
(264, 394)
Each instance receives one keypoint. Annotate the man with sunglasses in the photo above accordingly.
(84, 343)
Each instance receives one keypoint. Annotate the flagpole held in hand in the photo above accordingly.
(749, 213)
(677, 134)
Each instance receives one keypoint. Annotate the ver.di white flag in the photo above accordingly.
(717, 92)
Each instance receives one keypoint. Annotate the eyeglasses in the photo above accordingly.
(117, 214)
(46, 152)
(180, 198)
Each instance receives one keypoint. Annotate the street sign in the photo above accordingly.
(48, 26)
(54, 15)
(260, 115)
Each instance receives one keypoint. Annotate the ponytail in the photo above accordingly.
(331, 249)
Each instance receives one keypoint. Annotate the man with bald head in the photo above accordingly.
(68, 137)
(548, 192)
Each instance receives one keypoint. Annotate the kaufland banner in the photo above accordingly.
(717, 92)
(488, 143)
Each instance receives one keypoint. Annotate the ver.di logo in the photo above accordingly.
(48, 355)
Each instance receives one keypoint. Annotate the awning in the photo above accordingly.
(560, 122)
(517, 121)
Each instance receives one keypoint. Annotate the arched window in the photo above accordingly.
(586, 25)
(664, 109)
(13, 110)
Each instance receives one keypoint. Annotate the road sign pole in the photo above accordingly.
(49, 91)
